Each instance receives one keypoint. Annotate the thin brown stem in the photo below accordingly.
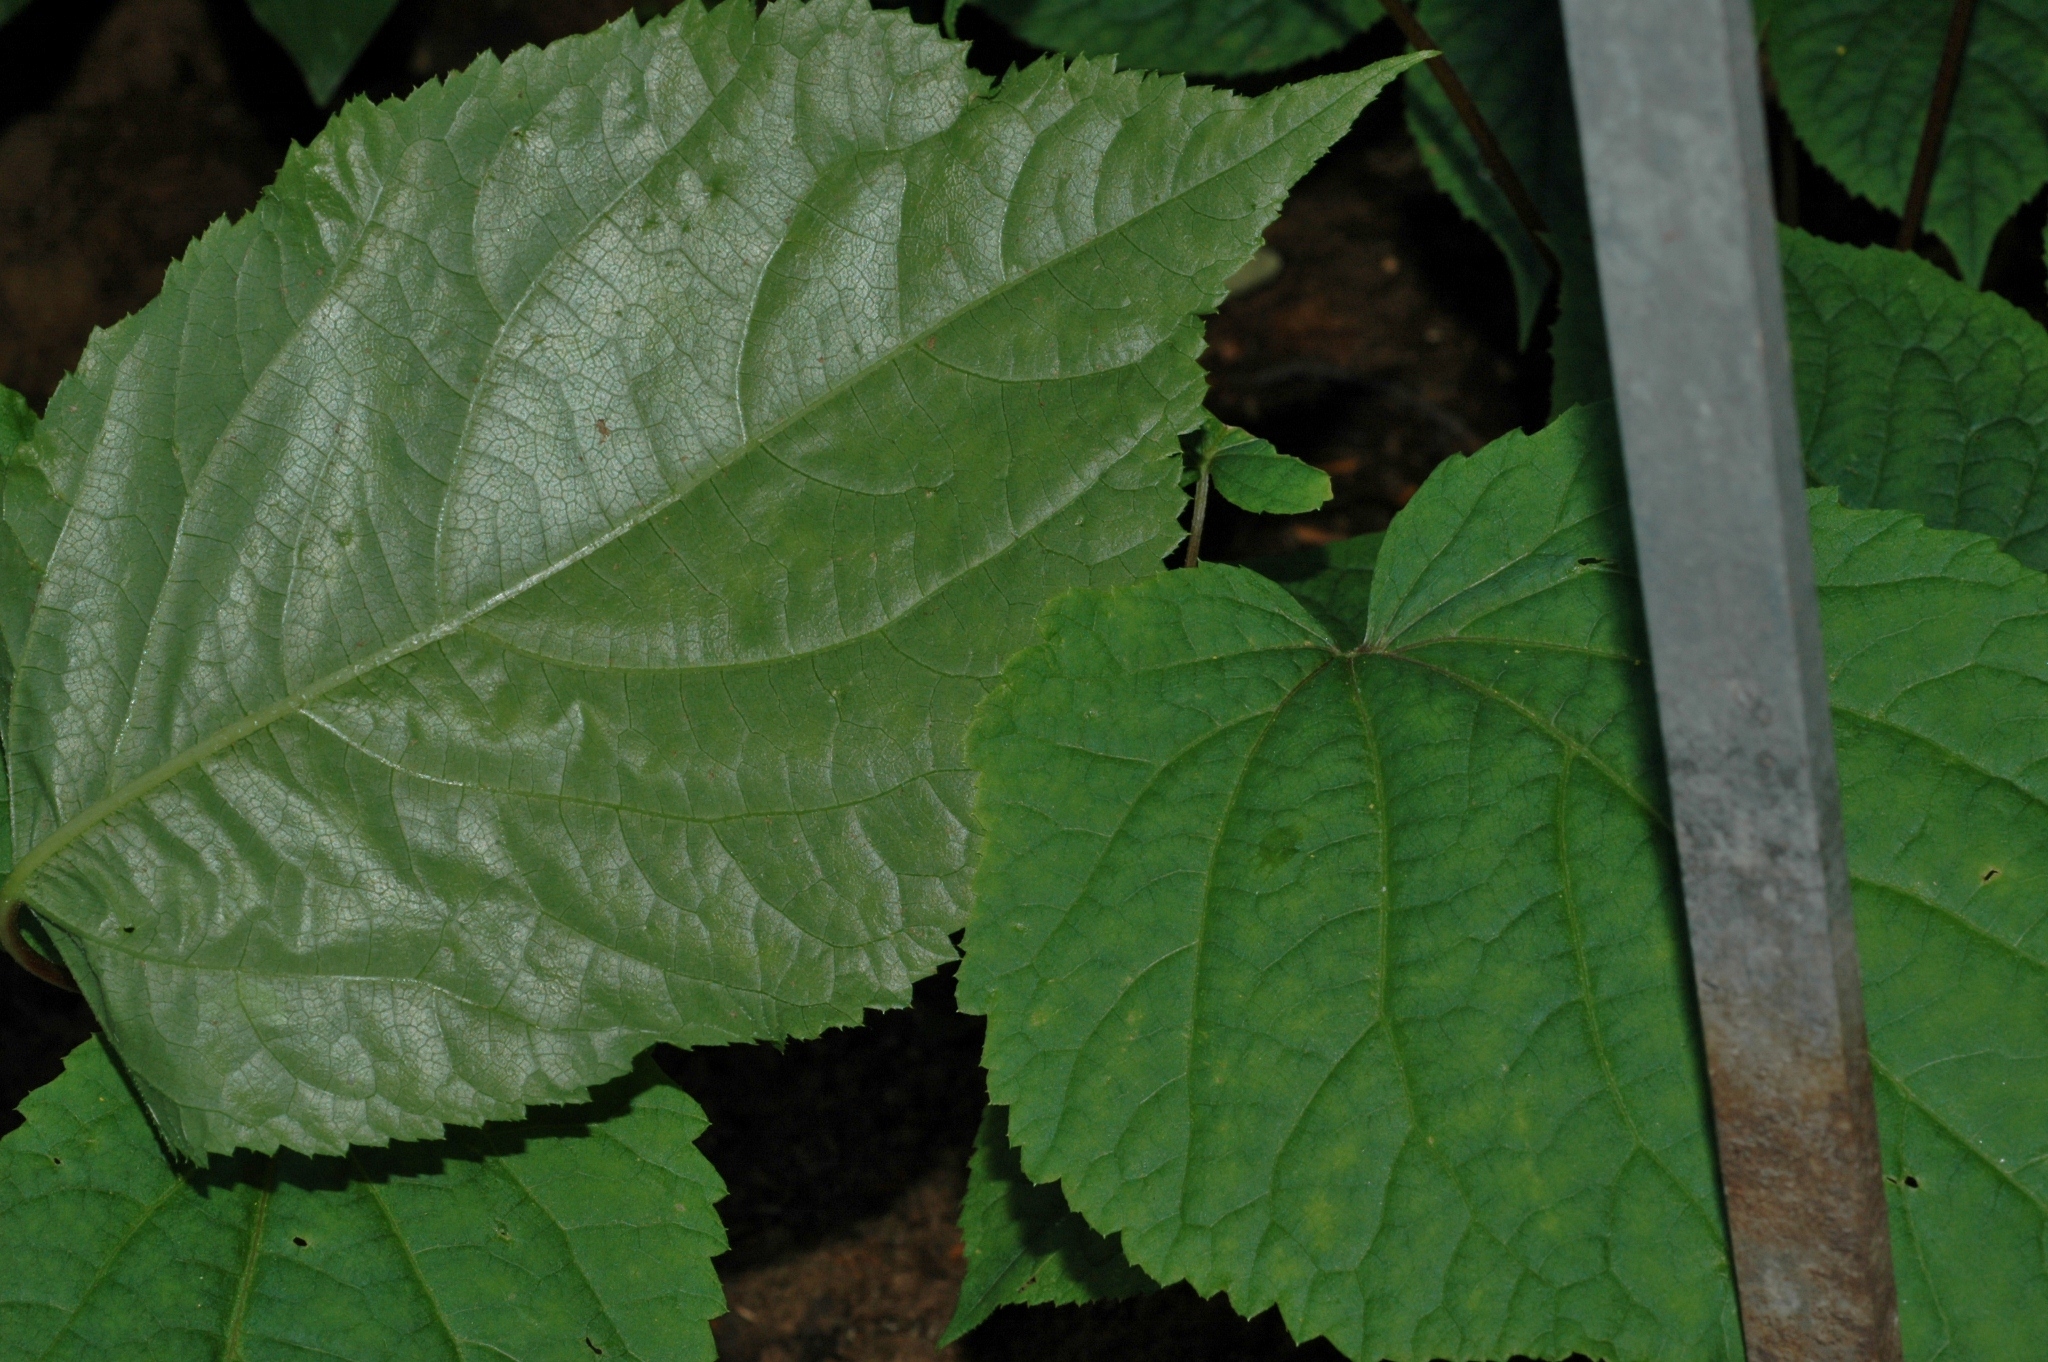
(1935, 128)
(1497, 163)
(27, 956)
(1194, 556)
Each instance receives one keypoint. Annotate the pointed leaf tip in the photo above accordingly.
(524, 586)
(1023, 1246)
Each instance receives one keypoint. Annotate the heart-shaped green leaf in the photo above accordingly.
(525, 585)
(1856, 78)
(582, 1232)
(1340, 967)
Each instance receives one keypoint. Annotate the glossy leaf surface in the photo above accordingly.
(1918, 393)
(1348, 976)
(582, 1232)
(324, 36)
(1856, 77)
(1024, 1247)
(1213, 37)
(524, 586)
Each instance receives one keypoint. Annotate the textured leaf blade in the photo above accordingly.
(1024, 1246)
(1935, 644)
(549, 620)
(1215, 37)
(323, 36)
(1918, 393)
(1350, 978)
(580, 1230)
(1855, 77)
(1510, 54)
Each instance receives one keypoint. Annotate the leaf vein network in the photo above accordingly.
(88, 818)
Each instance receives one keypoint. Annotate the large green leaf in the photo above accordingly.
(1024, 1244)
(579, 1233)
(1856, 77)
(1340, 966)
(525, 585)
(1918, 393)
(1216, 37)
(1024, 1247)
(1510, 54)
(324, 36)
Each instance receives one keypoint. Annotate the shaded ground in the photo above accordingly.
(1384, 345)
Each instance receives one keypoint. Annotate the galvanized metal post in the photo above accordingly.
(1671, 124)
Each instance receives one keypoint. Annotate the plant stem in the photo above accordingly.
(1936, 126)
(1194, 556)
(1497, 163)
(27, 956)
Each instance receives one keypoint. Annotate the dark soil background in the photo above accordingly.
(1385, 344)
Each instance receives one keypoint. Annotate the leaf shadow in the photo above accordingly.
(407, 1159)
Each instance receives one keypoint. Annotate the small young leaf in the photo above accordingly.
(582, 1232)
(1918, 393)
(525, 584)
(1250, 473)
(1856, 78)
(1510, 54)
(1024, 1247)
(324, 36)
(1212, 37)
(1348, 976)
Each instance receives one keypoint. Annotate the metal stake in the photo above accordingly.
(1671, 124)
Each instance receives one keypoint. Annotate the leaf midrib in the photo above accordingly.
(252, 1259)
(410, 1258)
(1590, 998)
(14, 889)
(1575, 747)
(399, 768)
